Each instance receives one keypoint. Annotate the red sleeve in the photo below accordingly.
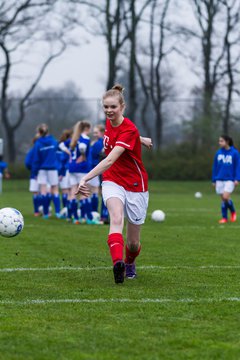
(127, 138)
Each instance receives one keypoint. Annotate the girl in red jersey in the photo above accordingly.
(125, 183)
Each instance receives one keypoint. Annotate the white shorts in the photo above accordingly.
(95, 182)
(135, 203)
(33, 185)
(65, 182)
(47, 177)
(224, 186)
(75, 178)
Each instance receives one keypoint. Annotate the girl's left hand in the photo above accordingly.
(83, 189)
(236, 183)
(145, 141)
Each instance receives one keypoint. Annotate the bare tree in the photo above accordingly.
(132, 22)
(107, 20)
(158, 53)
(232, 38)
(18, 24)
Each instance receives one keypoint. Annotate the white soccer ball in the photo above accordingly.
(11, 222)
(198, 195)
(95, 215)
(158, 216)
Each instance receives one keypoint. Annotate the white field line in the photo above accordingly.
(119, 300)
(143, 267)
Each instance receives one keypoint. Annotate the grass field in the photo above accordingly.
(58, 299)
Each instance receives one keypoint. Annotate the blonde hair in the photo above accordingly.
(78, 129)
(116, 91)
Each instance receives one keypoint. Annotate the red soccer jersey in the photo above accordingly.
(128, 170)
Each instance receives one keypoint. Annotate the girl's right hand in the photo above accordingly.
(83, 189)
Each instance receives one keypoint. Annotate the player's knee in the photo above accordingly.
(116, 218)
(225, 198)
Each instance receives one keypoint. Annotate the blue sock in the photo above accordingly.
(224, 209)
(45, 202)
(64, 200)
(74, 208)
(39, 200)
(231, 206)
(69, 209)
(35, 203)
(104, 211)
(88, 207)
(83, 209)
(94, 199)
(56, 201)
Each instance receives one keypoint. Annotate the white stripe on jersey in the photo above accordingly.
(140, 174)
(120, 142)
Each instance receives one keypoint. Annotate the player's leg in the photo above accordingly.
(133, 248)
(94, 186)
(224, 209)
(73, 204)
(36, 196)
(136, 211)
(53, 181)
(42, 181)
(229, 188)
(115, 238)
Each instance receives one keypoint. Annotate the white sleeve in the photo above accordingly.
(63, 147)
(82, 148)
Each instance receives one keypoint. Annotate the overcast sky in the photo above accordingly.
(86, 65)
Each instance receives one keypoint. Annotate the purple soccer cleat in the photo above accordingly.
(131, 271)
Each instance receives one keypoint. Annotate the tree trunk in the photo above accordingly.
(11, 148)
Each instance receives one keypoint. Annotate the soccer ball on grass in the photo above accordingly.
(158, 216)
(11, 222)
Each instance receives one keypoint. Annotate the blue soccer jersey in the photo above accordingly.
(226, 165)
(45, 154)
(96, 151)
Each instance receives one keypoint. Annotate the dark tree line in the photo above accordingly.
(144, 40)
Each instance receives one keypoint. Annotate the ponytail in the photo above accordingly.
(78, 129)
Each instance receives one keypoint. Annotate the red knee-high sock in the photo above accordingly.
(131, 256)
(116, 245)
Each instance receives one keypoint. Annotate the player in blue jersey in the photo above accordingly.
(63, 171)
(33, 186)
(226, 175)
(78, 148)
(4, 169)
(45, 168)
(96, 155)
(96, 152)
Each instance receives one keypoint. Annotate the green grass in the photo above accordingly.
(193, 318)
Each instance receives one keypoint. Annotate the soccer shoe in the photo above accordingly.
(45, 217)
(58, 215)
(76, 222)
(36, 214)
(94, 222)
(105, 221)
(131, 271)
(233, 217)
(118, 271)
(223, 221)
